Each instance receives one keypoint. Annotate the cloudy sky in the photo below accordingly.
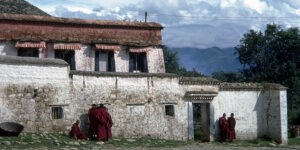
(188, 23)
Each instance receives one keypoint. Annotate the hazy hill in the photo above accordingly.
(208, 60)
(20, 7)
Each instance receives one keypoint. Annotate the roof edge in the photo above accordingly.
(78, 21)
(123, 74)
(31, 61)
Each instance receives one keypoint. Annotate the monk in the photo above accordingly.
(109, 124)
(223, 128)
(75, 131)
(101, 123)
(92, 120)
(231, 127)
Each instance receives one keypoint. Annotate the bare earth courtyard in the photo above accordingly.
(63, 142)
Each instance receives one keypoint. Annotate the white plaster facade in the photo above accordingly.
(85, 57)
(29, 87)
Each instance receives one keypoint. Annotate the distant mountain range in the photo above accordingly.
(20, 7)
(208, 60)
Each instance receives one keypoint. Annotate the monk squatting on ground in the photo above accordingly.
(75, 131)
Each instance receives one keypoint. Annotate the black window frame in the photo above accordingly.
(23, 52)
(71, 61)
(170, 110)
(57, 112)
(138, 62)
(110, 61)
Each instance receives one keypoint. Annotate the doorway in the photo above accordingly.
(201, 122)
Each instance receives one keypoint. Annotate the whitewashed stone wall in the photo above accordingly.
(8, 48)
(29, 87)
(85, 58)
(276, 115)
(122, 60)
(258, 113)
(50, 53)
(135, 103)
(248, 109)
(155, 59)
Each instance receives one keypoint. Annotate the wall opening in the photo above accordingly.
(138, 62)
(104, 61)
(57, 112)
(28, 52)
(68, 56)
(169, 110)
(201, 122)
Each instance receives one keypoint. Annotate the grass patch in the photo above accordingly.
(260, 142)
(294, 141)
(57, 141)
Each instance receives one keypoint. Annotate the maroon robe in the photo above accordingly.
(101, 124)
(76, 133)
(93, 121)
(223, 129)
(109, 125)
(231, 128)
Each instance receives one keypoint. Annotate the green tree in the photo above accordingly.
(171, 60)
(272, 56)
(172, 65)
(228, 76)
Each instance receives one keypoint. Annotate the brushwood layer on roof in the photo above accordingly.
(46, 28)
(76, 21)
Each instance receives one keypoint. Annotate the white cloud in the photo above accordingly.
(82, 9)
(203, 23)
(257, 5)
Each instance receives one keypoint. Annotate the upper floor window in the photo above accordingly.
(104, 61)
(138, 62)
(68, 56)
(28, 52)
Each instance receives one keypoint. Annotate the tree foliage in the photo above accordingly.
(172, 65)
(273, 56)
(228, 76)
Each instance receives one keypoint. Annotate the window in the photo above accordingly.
(68, 56)
(28, 52)
(138, 62)
(169, 110)
(104, 61)
(57, 112)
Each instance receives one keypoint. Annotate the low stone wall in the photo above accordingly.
(135, 101)
(260, 110)
(31, 90)
(28, 87)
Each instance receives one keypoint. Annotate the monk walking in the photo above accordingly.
(223, 128)
(75, 131)
(231, 127)
(92, 120)
(109, 124)
(101, 123)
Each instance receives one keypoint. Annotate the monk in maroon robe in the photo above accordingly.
(231, 127)
(223, 128)
(75, 131)
(109, 124)
(101, 123)
(92, 120)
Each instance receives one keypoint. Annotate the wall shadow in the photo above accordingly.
(84, 125)
(261, 114)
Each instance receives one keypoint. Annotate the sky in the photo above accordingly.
(188, 23)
